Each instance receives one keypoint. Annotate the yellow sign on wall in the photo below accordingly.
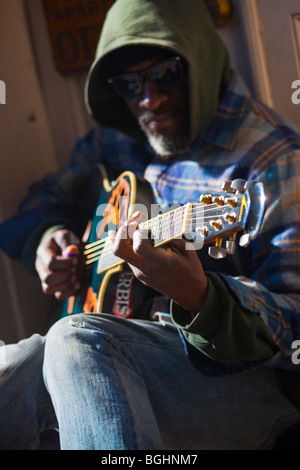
(74, 28)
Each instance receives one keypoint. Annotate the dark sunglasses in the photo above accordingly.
(164, 72)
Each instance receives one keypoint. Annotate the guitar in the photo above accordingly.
(110, 285)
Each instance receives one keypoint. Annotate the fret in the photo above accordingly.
(166, 226)
(187, 218)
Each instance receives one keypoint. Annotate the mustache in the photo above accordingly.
(161, 113)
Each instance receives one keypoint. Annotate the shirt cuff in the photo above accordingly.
(203, 321)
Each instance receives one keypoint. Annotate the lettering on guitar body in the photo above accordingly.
(122, 302)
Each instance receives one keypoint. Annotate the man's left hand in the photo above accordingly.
(172, 269)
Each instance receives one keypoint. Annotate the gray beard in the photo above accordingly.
(166, 146)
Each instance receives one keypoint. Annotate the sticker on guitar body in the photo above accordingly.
(122, 306)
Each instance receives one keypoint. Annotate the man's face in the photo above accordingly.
(161, 106)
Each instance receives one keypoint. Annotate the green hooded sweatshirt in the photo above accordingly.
(183, 27)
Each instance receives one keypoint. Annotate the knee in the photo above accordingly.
(72, 337)
(63, 337)
(74, 345)
(63, 349)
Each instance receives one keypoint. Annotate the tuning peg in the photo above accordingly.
(217, 252)
(230, 247)
(219, 200)
(226, 186)
(203, 231)
(239, 185)
(206, 199)
(249, 184)
(245, 240)
(230, 244)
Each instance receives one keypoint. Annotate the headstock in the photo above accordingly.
(239, 207)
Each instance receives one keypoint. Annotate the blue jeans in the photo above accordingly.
(124, 384)
(25, 406)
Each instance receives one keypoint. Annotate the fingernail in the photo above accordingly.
(74, 256)
(71, 252)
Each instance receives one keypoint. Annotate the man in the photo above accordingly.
(162, 77)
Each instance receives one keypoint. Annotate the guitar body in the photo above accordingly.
(114, 290)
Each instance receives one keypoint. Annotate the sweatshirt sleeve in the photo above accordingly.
(212, 330)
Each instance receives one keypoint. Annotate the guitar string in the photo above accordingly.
(100, 248)
(105, 251)
(163, 217)
(89, 248)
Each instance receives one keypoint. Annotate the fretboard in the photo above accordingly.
(165, 227)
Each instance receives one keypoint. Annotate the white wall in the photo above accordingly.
(235, 38)
(26, 153)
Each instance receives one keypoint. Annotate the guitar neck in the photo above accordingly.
(166, 227)
(187, 221)
(210, 220)
(163, 227)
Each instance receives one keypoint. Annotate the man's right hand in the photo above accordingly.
(57, 263)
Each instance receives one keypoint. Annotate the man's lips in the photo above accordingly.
(157, 122)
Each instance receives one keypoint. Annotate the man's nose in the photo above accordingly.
(152, 96)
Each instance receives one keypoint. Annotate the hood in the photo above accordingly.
(183, 27)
